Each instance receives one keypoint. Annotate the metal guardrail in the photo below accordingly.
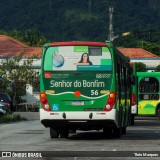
(28, 107)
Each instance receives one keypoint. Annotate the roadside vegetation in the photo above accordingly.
(147, 39)
(11, 118)
(17, 74)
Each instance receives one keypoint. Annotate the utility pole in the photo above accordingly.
(110, 34)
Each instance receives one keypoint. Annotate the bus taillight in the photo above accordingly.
(133, 102)
(110, 102)
(44, 101)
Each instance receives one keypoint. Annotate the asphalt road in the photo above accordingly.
(33, 136)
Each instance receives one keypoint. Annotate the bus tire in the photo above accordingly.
(132, 120)
(54, 133)
(64, 133)
(158, 111)
(124, 130)
(107, 132)
(117, 133)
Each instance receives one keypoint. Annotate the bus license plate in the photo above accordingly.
(78, 103)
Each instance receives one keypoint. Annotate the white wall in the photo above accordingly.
(30, 96)
(150, 63)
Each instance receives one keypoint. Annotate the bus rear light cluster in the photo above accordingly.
(110, 102)
(44, 101)
(133, 102)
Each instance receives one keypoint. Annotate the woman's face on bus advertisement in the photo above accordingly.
(85, 57)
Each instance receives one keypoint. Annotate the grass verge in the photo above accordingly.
(11, 118)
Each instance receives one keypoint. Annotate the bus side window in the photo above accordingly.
(148, 85)
(148, 96)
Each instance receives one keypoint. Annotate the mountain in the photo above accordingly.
(155, 4)
(64, 20)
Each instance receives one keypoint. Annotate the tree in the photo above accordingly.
(148, 40)
(140, 67)
(151, 47)
(33, 38)
(157, 68)
(17, 74)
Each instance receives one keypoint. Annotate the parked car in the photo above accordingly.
(5, 98)
(2, 110)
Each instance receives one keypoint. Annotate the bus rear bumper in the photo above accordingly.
(64, 118)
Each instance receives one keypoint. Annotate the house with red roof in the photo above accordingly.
(141, 55)
(10, 47)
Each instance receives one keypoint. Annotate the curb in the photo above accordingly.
(28, 115)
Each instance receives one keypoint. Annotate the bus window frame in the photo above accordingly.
(44, 55)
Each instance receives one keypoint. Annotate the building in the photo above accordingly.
(141, 55)
(10, 47)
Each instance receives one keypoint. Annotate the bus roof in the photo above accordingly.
(78, 43)
(145, 74)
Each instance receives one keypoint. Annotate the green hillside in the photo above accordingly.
(61, 20)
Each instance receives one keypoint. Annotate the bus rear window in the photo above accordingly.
(77, 58)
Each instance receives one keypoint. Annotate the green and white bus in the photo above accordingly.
(148, 93)
(84, 94)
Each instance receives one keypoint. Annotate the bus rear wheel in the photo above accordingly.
(54, 133)
(64, 133)
(124, 130)
(132, 119)
(107, 131)
(117, 133)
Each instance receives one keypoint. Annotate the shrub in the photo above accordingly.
(11, 118)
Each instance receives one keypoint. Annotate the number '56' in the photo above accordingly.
(94, 92)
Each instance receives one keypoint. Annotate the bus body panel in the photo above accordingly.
(148, 92)
(93, 93)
